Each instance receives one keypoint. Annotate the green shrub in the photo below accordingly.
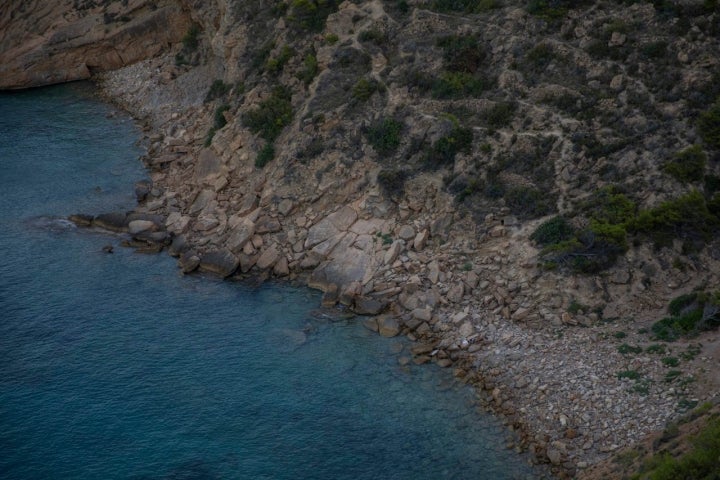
(540, 56)
(443, 151)
(364, 89)
(310, 15)
(701, 462)
(384, 135)
(708, 125)
(552, 9)
(499, 115)
(589, 251)
(529, 202)
(683, 303)
(655, 49)
(265, 155)
(609, 205)
(262, 54)
(217, 89)
(219, 120)
(690, 313)
(670, 361)
(463, 6)
(310, 69)
(627, 349)
(688, 165)
(555, 230)
(459, 85)
(462, 53)
(190, 40)
(687, 218)
(275, 65)
(657, 348)
(392, 181)
(271, 116)
(374, 35)
(631, 374)
(331, 39)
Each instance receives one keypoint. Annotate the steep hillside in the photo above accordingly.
(529, 189)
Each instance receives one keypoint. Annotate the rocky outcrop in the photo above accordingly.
(43, 43)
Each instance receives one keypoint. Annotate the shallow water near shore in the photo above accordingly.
(117, 367)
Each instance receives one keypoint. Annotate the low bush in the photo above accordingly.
(265, 155)
(392, 181)
(219, 121)
(555, 230)
(529, 202)
(463, 6)
(374, 35)
(459, 85)
(499, 115)
(310, 15)
(442, 152)
(218, 89)
(384, 135)
(690, 314)
(708, 125)
(276, 64)
(310, 69)
(190, 40)
(701, 462)
(272, 115)
(687, 218)
(462, 53)
(688, 165)
(365, 88)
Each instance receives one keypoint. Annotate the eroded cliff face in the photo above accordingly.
(43, 43)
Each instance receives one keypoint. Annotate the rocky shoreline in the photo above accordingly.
(473, 299)
(398, 156)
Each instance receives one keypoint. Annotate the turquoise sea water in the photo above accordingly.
(117, 367)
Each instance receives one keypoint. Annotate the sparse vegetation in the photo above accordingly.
(272, 115)
(310, 15)
(384, 135)
(702, 461)
(463, 6)
(265, 155)
(688, 165)
(442, 152)
(217, 90)
(365, 88)
(689, 315)
(708, 125)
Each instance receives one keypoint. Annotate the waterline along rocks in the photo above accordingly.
(520, 187)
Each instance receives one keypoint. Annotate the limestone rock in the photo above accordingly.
(368, 306)
(114, 221)
(388, 326)
(220, 262)
(241, 235)
(456, 292)
(421, 240)
(138, 226)
(268, 258)
(407, 232)
(392, 253)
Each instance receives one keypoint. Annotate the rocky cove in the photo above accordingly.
(546, 349)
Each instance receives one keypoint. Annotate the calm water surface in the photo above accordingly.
(117, 367)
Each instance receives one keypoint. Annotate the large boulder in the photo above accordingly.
(220, 262)
(113, 221)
